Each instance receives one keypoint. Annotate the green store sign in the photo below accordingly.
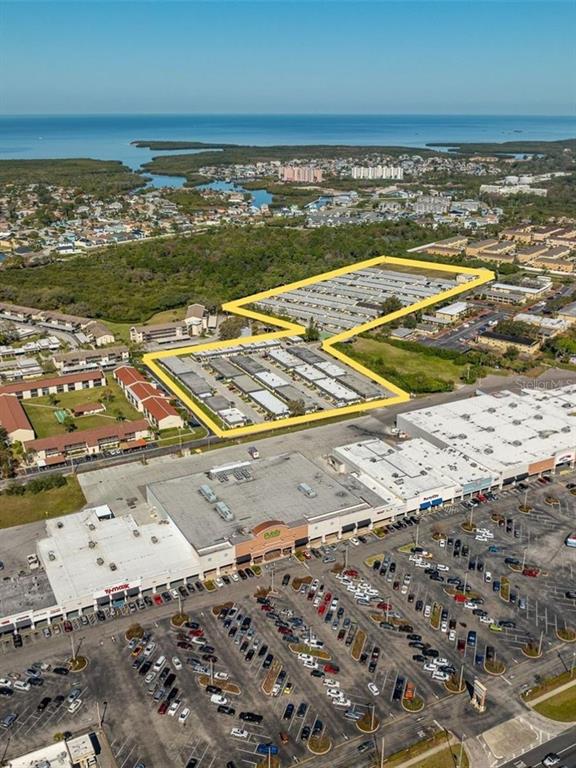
(272, 534)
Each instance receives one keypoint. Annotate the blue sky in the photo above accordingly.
(459, 56)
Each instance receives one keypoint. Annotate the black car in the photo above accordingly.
(288, 712)
(226, 710)
(317, 673)
(5, 691)
(268, 661)
(38, 681)
(61, 671)
(100, 615)
(416, 644)
(59, 700)
(413, 637)
(318, 726)
(213, 689)
(571, 594)
(431, 653)
(302, 709)
(263, 651)
(17, 640)
(286, 580)
(43, 704)
(250, 717)
(418, 657)
(192, 763)
(372, 666)
(145, 668)
(230, 764)
(418, 605)
(305, 733)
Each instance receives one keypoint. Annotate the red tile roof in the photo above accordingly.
(159, 408)
(12, 415)
(128, 375)
(143, 390)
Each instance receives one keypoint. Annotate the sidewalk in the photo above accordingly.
(425, 755)
(551, 693)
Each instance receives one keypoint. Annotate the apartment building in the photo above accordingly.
(25, 390)
(306, 174)
(147, 398)
(90, 359)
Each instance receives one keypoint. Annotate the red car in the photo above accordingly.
(284, 630)
(266, 608)
(331, 669)
(384, 606)
(157, 599)
(307, 554)
(534, 572)
(196, 632)
(352, 572)
(68, 626)
(163, 708)
(328, 597)
(322, 609)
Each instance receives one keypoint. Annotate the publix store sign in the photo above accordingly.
(273, 534)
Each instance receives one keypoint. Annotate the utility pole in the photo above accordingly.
(72, 646)
(526, 498)
(382, 754)
(372, 717)
(461, 677)
(540, 643)
(524, 558)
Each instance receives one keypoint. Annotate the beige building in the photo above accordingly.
(477, 246)
(500, 342)
(554, 265)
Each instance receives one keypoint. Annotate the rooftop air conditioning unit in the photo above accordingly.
(91, 544)
(154, 539)
(113, 567)
(91, 526)
(100, 561)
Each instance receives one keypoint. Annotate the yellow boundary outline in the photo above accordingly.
(290, 328)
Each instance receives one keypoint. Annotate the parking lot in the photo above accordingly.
(354, 631)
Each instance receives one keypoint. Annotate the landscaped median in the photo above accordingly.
(271, 676)
(358, 644)
(320, 744)
(555, 697)
(436, 616)
(226, 685)
(437, 751)
(369, 722)
(318, 653)
(505, 589)
(494, 667)
(299, 580)
(566, 635)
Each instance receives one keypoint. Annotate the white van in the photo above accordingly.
(159, 663)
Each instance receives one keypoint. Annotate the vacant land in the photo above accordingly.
(144, 278)
(41, 410)
(18, 510)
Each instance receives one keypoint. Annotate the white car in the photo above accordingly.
(75, 706)
(374, 690)
(149, 677)
(469, 604)
(444, 626)
(341, 702)
(334, 693)
(234, 577)
(239, 733)
(331, 683)
(305, 657)
(442, 567)
(221, 676)
(452, 635)
(184, 715)
(486, 620)
(149, 650)
(442, 543)
(311, 664)
(177, 664)
(354, 541)
(443, 676)
(174, 707)
(421, 564)
(217, 698)
(197, 640)
(175, 594)
(429, 667)
(551, 759)
(219, 583)
(159, 663)
(427, 611)
(21, 685)
(315, 584)
(404, 589)
(487, 577)
(5, 683)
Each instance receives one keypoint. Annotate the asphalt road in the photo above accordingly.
(564, 746)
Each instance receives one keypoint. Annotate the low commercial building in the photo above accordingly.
(518, 294)
(74, 752)
(90, 359)
(553, 265)
(547, 326)
(99, 334)
(502, 342)
(454, 311)
(513, 435)
(253, 512)
(477, 246)
(25, 390)
(568, 313)
(14, 420)
(415, 476)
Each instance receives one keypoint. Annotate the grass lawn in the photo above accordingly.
(408, 362)
(419, 748)
(448, 758)
(120, 330)
(561, 707)
(41, 412)
(548, 685)
(171, 436)
(17, 510)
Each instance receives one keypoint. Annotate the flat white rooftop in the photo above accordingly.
(77, 543)
(414, 468)
(502, 430)
(59, 755)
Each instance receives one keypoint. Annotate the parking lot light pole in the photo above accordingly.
(461, 677)
(382, 754)
(524, 558)
(372, 717)
(540, 643)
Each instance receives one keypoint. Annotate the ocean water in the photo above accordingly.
(108, 137)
